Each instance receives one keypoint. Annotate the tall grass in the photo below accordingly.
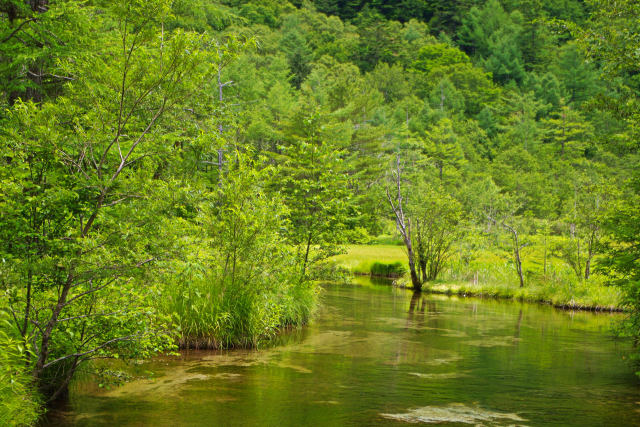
(211, 314)
(213, 305)
(548, 279)
(576, 296)
(19, 401)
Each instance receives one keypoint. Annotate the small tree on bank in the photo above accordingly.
(516, 244)
(429, 225)
(498, 210)
(314, 185)
(584, 221)
(438, 218)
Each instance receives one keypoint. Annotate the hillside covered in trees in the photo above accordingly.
(179, 174)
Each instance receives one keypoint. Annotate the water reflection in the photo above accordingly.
(416, 305)
(517, 332)
(381, 355)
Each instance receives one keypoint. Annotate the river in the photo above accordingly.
(376, 355)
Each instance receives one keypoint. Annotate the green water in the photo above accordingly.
(376, 356)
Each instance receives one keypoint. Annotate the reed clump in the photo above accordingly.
(208, 314)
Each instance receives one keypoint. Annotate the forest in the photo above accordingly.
(182, 175)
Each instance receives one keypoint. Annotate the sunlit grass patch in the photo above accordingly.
(360, 258)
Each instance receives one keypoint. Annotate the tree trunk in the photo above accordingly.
(516, 251)
(516, 255)
(403, 224)
(545, 255)
(423, 270)
(587, 267)
(43, 352)
(306, 255)
(518, 264)
(35, 72)
(415, 281)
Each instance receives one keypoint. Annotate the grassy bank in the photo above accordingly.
(490, 274)
(577, 297)
(201, 313)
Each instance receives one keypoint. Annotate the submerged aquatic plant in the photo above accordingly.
(453, 413)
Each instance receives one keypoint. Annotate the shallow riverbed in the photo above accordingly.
(375, 355)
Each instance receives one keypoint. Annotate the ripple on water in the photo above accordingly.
(504, 341)
(444, 361)
(454, 413)
(441, 376)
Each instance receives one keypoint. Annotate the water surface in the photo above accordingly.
(375, 355)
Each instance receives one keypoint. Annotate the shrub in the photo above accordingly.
(395, 269)
(243, 281)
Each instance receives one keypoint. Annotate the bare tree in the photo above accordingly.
(517, 246)
(403, 223)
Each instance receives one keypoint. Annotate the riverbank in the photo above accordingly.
(359, 259)
(587, 298)
(490, 277)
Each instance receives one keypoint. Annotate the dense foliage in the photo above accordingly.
(176, 173)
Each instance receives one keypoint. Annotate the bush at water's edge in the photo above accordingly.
(394, 269)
